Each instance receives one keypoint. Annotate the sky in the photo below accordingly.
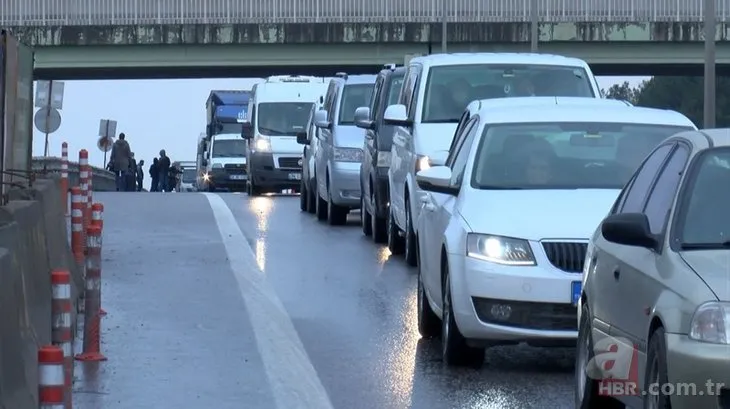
(153, 114)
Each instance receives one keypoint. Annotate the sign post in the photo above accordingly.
(49, 98)
(107, 130)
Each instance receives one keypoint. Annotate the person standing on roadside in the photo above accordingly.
(120, 157)
(132, 175)
(155, 175)
(163, 166)
(140, 175)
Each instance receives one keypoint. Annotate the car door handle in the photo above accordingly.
(616, 274)
(429, 206)
(425, 200)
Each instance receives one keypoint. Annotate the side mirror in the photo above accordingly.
(630, 229)
(396, 115)
(438, 158)
(362, 118)
(302, 138)
(436, 179)
(204, 162)
(246, 130)
(321, 120)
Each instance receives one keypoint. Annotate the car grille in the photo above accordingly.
(290, 163)
(567, 256)
(235, 168)
(528, 315)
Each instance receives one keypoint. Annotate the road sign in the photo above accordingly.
(47, 120)
(105, 143)
(108, 128)
(49, 94)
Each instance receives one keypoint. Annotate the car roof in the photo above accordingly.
(492, 103)
(718, 137)
(397, 70)
(497, 58)
(587, 113)
(357, 79)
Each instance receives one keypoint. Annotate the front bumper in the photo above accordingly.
(271, 170)
(494, 302)
(229, 176)
(698, 372)
(345, 184)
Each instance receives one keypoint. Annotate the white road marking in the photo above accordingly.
(292, 377)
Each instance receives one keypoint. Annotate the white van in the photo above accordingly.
(436, 90)
(225, 163)
(279, 108)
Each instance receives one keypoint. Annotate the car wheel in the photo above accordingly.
(378, 225)
(311, 199)
(454, 349)
(253, 190)
(656, 372)
(586, 386)
(429, 324)
(395, 241)
(410, 244)
(336, 215)
(303, 199)
(365, 217)
(321, 207)
(211, 188)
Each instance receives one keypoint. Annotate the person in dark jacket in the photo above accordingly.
(140, 175)
(163, 167)
(155, 175)
(121, 158)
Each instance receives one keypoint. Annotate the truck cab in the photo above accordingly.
(279, 109)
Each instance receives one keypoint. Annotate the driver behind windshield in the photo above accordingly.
(538, 159)
(459, 91)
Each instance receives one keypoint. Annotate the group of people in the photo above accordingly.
(130, 174)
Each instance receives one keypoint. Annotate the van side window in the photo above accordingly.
(407, 91)
(375, 99)
(329, 100)
(253, 116)
(458, 166)
(413, 99)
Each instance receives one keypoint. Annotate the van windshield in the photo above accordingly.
(353, 97)
(189, 175)
(229, 148)
(562, 155)
(283, 118)
(449, 89)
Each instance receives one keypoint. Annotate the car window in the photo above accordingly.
(458, 136)
(375, 100)
(563, 155)
(704, 218)
(283, 118)
(407, 93)
(354, 96)
(662, 194)
(462, 152)
(414, 93)
(639, 189)
(396, 82)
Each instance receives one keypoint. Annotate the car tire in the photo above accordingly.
(365, 217)
(656, 370)
(379, 225)
(211, 188)
(395, 241)
(429, 324)
(454, 349)
(303, 196)
(321, 207)
(253, 190)
(336, 215)
(311, 199)
(586, 387)
(410, 240)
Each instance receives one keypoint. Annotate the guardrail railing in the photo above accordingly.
(133, 12)
(103, 180)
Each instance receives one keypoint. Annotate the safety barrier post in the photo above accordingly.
(78, 246)
(97, 212)
(90, 192)
(64, 177)
(51, 384)
(84, 183)
(62, 335)
(92, 322)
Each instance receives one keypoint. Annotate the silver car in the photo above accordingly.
(339, 147)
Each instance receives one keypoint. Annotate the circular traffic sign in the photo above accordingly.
(47, 120)
(105, 143)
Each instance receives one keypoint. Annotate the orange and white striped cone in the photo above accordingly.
(78, 246)
(90, 192)
(51, 383)
(97, 219)
(92, 322)
(64, 177)
(84, 184)
(62, 335)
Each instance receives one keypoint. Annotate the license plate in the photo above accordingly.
(295, 176)
(238, 177)
(576, 290)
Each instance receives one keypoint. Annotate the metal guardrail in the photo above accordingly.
(133, 12)
(103, 180)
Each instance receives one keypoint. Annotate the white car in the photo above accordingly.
(435, 92)
(504, 224)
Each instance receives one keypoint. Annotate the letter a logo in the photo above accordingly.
(614, 358)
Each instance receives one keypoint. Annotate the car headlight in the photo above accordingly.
(383, 159)
(423, 162)
(500, 250)
(217, 165)
(710, 323)
(348, 155)
(206, 177)
(262, 145)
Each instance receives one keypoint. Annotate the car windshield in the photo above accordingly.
(229, 148)
(583, 155)
(451, 88)
(705, 220)
(283, 118)
(188, 175)
(396, 83)
(353, 97)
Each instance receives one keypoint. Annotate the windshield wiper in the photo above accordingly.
(705, 246)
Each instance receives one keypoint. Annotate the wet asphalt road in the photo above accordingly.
(181, 333)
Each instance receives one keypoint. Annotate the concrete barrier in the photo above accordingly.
(33, 242)
(103, 180)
